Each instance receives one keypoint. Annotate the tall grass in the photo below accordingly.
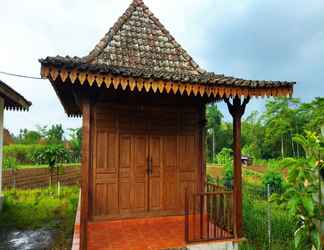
(255, 216)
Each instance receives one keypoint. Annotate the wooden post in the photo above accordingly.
(202, 133)
(237, 110)
(1, 149)
(85, 171)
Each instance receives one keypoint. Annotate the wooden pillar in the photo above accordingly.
(237, 109)
(202, 133)
(85, 172)
(1, 148)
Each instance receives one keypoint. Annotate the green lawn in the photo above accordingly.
(41, 209)
(29, 166)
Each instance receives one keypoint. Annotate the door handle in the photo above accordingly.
(149, 166)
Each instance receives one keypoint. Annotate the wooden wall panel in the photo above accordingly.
(125, 178)
(139, 187)
(155, 185)
(170, 173)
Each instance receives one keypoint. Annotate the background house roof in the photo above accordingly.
(13, 100)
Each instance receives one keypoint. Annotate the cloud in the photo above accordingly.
(278, 40)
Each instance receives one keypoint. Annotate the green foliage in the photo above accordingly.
(300, 193)
(52, 155)
(39, 209)
(225, 158)
(28, 137)
(10, 163)
(54, 135)
(274, 179)
(75, 143)
(268, 135)
(24, 154)
(255, 211)
(214, 122)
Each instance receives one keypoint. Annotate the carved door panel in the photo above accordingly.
(170, 173)
(154, 172)
(139, 172)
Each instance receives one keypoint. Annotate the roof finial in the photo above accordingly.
(138, 2)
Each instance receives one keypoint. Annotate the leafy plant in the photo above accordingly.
(75, 143)
(274, 179)
(24, 154)
(11, 164)
(53, 155)
(225, 158)
(299, 196)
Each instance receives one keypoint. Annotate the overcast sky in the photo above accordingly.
(264, 40)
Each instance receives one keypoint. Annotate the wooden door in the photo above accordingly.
(154, 175)
(170, 173)
(140, 177)
(133, 179)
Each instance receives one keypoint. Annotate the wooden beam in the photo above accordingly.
(237, 109)
(85, 171)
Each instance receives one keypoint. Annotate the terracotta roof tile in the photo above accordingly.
(139, 40)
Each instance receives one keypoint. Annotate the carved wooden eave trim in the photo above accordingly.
(217, 90)
(13, 100)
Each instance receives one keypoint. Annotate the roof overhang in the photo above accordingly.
(12, 99)
(210, 85)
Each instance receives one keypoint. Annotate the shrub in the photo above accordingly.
(10, 163)
(225, 157)
(38, 208)
(274, 179)
(24, 154)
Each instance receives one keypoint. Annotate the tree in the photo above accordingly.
(75, 143)
(214, 120)
(28, 137)
(54, 135)
(279, 120)
(313, 114)
(53, 155)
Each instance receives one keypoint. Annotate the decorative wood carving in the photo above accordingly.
(197, 89)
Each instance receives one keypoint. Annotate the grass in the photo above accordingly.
(41, 209)
(30, 166)
(256, 227)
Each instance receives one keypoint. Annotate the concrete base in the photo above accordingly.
(1, 201)
(214, 246)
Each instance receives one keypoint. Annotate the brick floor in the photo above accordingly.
(137, 234)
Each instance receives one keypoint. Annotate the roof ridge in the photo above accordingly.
(112, 31)
(172, 39)
(99, 48)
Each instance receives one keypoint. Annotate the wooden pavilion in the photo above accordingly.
(9, 100)
(142, 99)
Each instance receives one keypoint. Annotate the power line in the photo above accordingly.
(22, 76)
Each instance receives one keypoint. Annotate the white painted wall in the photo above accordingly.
(1, 148)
